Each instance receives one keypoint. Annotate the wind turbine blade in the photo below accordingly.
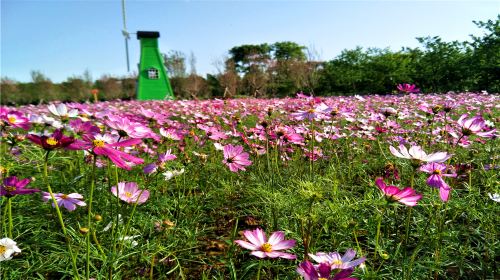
(125, 34)
(126, 54)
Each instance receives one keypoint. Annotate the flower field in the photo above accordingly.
(361, 187)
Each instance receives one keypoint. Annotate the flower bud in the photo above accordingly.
(98, 217)
(84, 230)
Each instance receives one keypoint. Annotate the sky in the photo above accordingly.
(64, 38)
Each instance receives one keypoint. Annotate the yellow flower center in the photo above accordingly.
(437, 171)
(322, 278)
(64, 196)
(311, 111)
(128, 194)
(51, 141)
(98, 143)
(337, 262)
(266, 247)
(12, 119)
(2, 249)
(10, 188)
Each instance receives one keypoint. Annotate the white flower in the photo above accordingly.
(171, 174)
(130, 240)
(495, 197)
(62, 111)
(416, 152)
(7, 248)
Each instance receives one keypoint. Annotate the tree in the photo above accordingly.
(175, 62)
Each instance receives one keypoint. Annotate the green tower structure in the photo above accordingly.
(152, 81)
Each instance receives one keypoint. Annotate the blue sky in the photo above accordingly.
(63, 38)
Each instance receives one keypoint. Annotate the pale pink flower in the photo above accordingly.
(130, 193)
(336, 261)
(262, 248)
(475, 125)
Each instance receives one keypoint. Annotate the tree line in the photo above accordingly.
(284, 68)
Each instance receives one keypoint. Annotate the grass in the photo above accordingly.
(187, 228)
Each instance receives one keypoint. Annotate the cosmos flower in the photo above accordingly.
(68, 201)
(162, 158)
(126, 127)
(55, 141)
(317, 113)
(475, 125)
(262, 248)
(416, 153)
(408, 88)
(62, 111)
(7, 249)
(13, 119)
(130, 193)
(12, 186)
(437, 171)
(104, 145)
(336, 261)
(322, 271)
(235, 158)
(406, 196)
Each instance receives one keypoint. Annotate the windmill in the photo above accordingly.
(152, 80)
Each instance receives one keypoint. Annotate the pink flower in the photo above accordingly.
(103, 145)
(235, 158)
(408, 88)
(435, 180)
(475, 125)
(68, 201)
(416, 153)
(262, 248)
(406, 196)
(130, 193)
(14, 119)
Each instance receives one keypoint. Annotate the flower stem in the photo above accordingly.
(59, 215)
(9, 210)
(259, 269)
(89, 217)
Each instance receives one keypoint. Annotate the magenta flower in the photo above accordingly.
(336, 261)
(475, 125)
(235, 158)
(68, 201)
(437, 171)
(130, 193)
(406, 196)
(12, 186)
(322, 272)
(416, 153)
(408, 88)
(103, 145)
(262, 248)
(55, 141)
